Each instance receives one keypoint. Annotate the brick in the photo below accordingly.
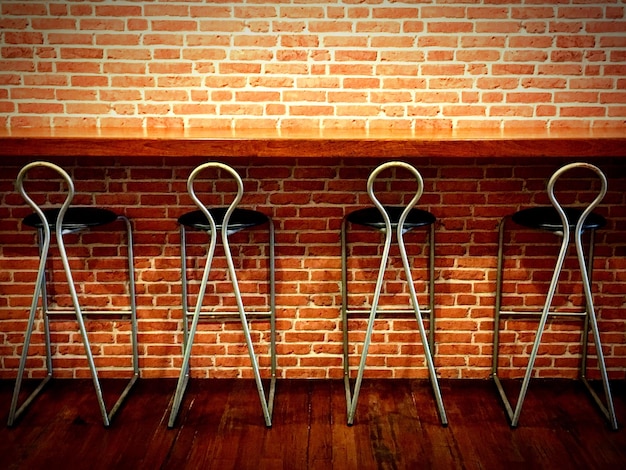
(39, 24)
(119, 40)
(291, 12)
(580, 12)
(100, 25)
(24, 9)
(442, 12)
(124, 11)
(449, 27)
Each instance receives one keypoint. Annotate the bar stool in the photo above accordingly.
(227, 221)
(64, 221)
(390, 220)
(569, 223)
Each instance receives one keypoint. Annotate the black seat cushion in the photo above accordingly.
(371, 217)
(547, 218)
(239, 220)
(76, 218)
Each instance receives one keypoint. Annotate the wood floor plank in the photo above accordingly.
(148, 423)
(254, 443)
(397, 426)
(319, 439)
(344, 450)
(203, 424)
(290, 431)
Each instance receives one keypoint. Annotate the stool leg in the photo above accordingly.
(540, 329)
(132, 287)
(133, 317)
(496, 323)
(590, 319)
(370, 328)
(585, 339)
(498, 301)
(183, 378)
(40, 292)
(420, 322)
(81, 327)
(184, 288)
(246, 330)
(272, 285)
(344, 314)
(107, 416)
(44, 308)
(431, 288)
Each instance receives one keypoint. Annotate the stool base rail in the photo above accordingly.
(230, 315)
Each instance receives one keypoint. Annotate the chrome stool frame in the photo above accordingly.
(568, 223)
(390, 219)
(214, 220)
(69, 220)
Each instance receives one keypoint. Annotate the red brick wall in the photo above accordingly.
(307, 200)
(331, 64)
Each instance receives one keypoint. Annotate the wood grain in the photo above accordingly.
(266, 143)
(220, 426)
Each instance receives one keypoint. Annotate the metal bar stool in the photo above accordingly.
(63, 221)
(569, 223)
(226, 221)
(390, 219)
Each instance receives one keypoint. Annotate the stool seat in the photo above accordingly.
(371, 217)
(76, 218)
(547, 218)
(239, 220)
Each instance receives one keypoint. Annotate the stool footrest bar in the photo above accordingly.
(425, 312)
(552, 313)
(55, 312)
(227, 314)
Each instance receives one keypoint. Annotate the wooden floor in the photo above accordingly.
(221, 427)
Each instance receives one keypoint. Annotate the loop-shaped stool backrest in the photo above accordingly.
(37, 209)
(233, 205)
(578, 230)
(418, 193)
(45, 227)
(588, 209)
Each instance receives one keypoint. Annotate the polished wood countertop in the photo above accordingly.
(36, 143)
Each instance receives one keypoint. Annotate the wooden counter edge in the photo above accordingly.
(42, 143)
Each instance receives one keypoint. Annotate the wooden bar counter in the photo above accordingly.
(276, 143)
